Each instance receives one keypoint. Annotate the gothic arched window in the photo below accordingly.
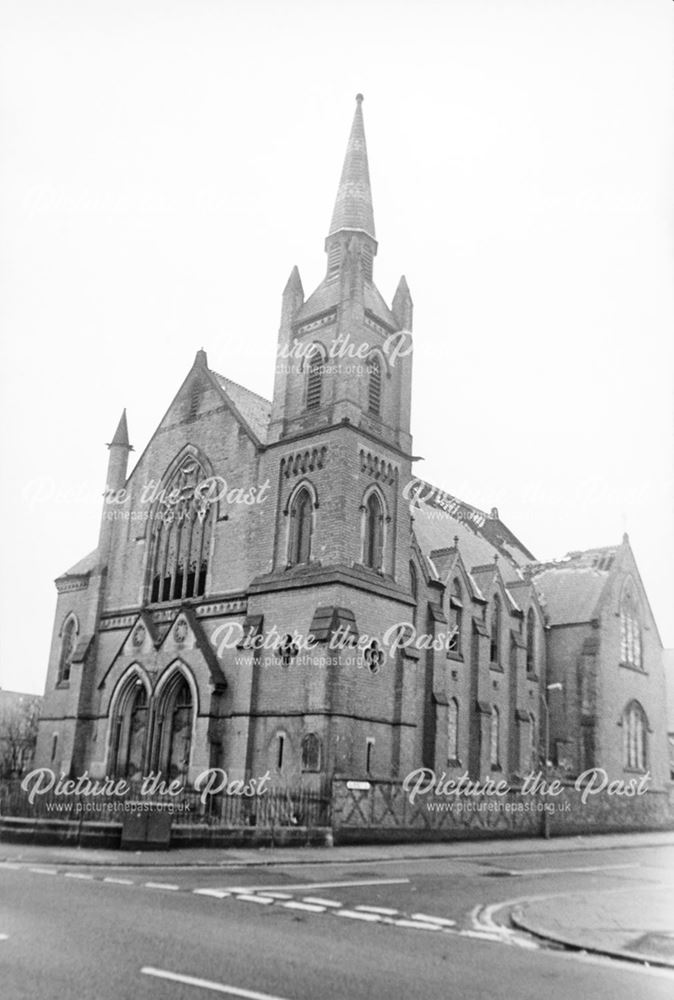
(301, 527)
(531, 642)
(494, 737)
(68, 639)
(181, 533)
(311, 752)
(315, 368)
(495, 644)
(130, 731)
(173, 736)
(630, 632)
(374, 385)
(453, 730)
(635, 727)
(373, 539)
(455, 616)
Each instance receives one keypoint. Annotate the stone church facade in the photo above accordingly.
(273, 589)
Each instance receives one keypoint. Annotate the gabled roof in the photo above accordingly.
(255, 410)
(82, 567)
(569, 593)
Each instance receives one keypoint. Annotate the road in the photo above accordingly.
(427, 928)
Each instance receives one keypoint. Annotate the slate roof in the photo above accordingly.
(435, 529)
(84, 566)
(570, 593)
(255, 410)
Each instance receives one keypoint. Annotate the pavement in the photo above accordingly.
(634, 924)
(212, 857)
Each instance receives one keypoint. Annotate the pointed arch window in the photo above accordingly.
(315, 370)
(495, 644)
(301, 527)
(494, 737)
(635, 727)
(455, 617)
(531, 642)
(68, 640)
(374, 385)
(453, 731)
(414, 588)
(130, 731)
(373, 541)
(630, 633)
(181, 533)
(173, 738)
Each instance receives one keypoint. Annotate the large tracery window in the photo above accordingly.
(630, 633)
(635, 728)
(181, 534)
(301, 528)
(373, 539)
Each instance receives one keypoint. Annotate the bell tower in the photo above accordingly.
(344, 355)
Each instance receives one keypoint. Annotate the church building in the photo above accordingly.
(273, 589)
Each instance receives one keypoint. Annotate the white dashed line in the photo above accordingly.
(118, 881)
(317, 901)
(385, 911)
(216, 893)
(81, 875)
(208, 984)
(279, 895)
(161, 885)
(419, 925)
(4, 937)
(441, 921)
(256, 899)
(310, 907)
(483, 935)
(319, 885)
(43, 871)
(10, 864)
(356, 915)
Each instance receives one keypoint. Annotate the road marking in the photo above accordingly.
(279, 895)
(217, 893)
(441, 921)
(320, 902)
(207, 984)
(418, 925)
(161, 885)
(356, 915)
(311, 907)
(43, 871)
(10, 864)
(4, 937)
(118, 881)
(483, 935)
(319, 885)
(265, 900)
(384, 910)
(79, 875)
(562, 871)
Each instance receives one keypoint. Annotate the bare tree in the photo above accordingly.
(18, 735)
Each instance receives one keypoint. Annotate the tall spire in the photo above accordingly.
(121, 437)
(353, 205)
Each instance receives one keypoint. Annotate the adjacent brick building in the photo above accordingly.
(297, 525)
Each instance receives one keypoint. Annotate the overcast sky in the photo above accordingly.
(164, 164)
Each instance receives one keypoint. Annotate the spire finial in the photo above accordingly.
(353, 205)
(121, 438)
